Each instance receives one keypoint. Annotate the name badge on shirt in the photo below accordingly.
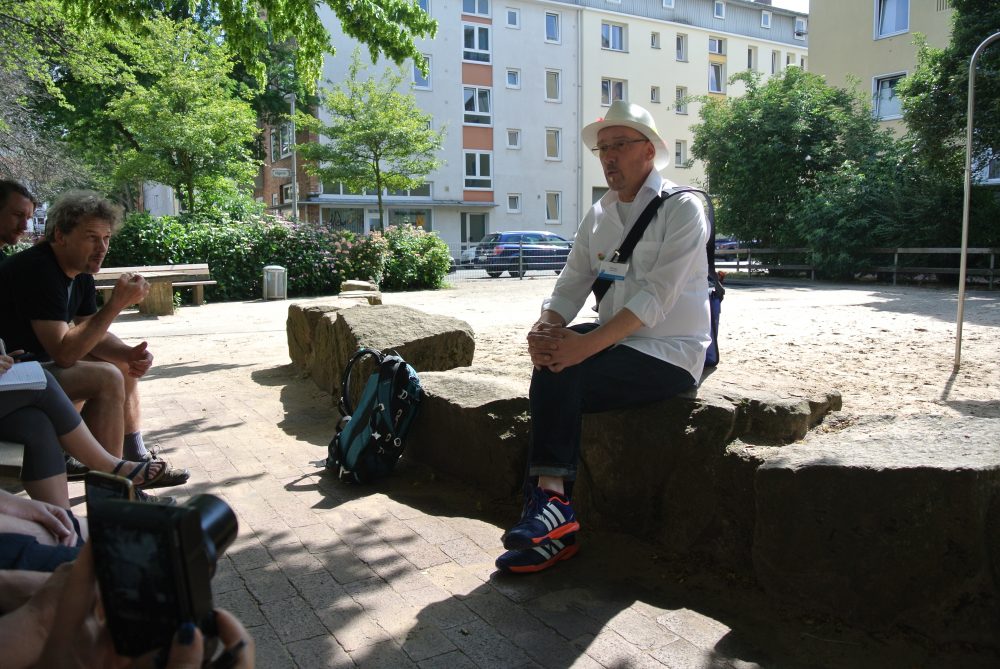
(612, 271)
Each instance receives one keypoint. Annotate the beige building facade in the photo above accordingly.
(871, 44)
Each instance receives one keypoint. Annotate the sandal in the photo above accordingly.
(143, 471)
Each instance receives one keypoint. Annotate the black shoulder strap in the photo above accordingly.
(601, 286)
(346, 406)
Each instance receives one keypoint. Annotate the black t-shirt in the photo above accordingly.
(34, 288)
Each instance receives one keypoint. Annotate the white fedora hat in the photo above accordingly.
(630, 116)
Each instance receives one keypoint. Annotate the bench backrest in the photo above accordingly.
(191, 271)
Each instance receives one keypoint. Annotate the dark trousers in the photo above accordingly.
(615, 378)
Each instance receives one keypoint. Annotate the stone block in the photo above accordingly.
(301, 327)
(893, 523)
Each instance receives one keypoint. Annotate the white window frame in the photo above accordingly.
(719, 9)
(517, 136)
(775, 61)
(477, 175)
(608, 30)
(802, 62)
(558, 79)
(654, 94)
(516, 13)
(680, 153)
(876, 28)
(654, 40)
(721, 78)
(801, 28)
(285, 139)
(558, 206)
(476, 90)
(557, 134)
(681, 48)
(429, 85)
(717, 45)
(680, 102)
(611, 86)
(789, 59)
(477, 4)
(517, 77)
(877, 99)
(425, 5)
(557, 16)
(478, 29)
(765, 19)
(668, 4)
(516, 198)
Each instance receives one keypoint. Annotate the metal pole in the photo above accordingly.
(968, 195)
(295, 175)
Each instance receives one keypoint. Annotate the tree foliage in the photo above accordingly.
(766, 150)
(378, 136)
(388, 27)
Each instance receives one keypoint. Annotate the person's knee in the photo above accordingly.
(93, 380)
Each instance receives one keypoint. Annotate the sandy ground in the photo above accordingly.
(889, 350)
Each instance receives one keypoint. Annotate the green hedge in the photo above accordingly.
(318, 258)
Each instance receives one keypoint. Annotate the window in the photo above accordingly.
(274, 199)
(654, 93)
(513, 17)
(597, 192)
(477, 44)
(789, 59)
(513, 138)
(477, 106)
(613, 36)
(275, 150)
(800, 28)
(680, 153)
(993, 170)
(752, 58)
(891, 17)
(476, 7)
(887, 105)
(765, 19)
(513, 203)
(611, 90)
(680, 97)
(553, 144)
(286, 193)
(654, 40)
(553, 86)
(553, 206)
(716, 78)
(473, 227)
(719, 11)
(478, 170)
(775, 61)
(682, 47)
(552, 33)
(419, 80)
(425, 5)
(716, 45)
(286, 140)
(802, 62)
(668, 4)
(513, 78)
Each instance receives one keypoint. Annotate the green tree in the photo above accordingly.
(388, 27)
(378, 137)
(766, 150)
(183, 121)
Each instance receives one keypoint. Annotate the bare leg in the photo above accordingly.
(52, 490)
(553, 483)
(102, 387)
(133, 410)
(82, 445)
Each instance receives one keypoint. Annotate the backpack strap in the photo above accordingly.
(623, 252)
(345, 405)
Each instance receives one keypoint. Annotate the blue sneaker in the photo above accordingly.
(543, 556)
(547, 515)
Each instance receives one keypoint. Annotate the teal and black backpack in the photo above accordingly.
(369, 437)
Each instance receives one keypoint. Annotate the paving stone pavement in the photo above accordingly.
(401, 574)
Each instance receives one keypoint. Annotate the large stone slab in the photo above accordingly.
(894, 522)
(427, 341)
(301, 326)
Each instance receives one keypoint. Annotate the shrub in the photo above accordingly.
(369, 257)
(417, 259)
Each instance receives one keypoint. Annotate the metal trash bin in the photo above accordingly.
(275, 283)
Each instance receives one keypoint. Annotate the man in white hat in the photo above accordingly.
(648, 343)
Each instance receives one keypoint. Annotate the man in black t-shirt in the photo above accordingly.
(48, 306)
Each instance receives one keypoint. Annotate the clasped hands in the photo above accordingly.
(555, 347)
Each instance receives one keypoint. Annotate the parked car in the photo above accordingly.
(518, 251)
(468, 257)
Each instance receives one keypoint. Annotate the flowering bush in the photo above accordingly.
(369, 257)
(416, 259)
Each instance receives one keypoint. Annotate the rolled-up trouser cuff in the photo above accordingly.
(559, 471)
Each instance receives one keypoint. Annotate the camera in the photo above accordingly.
(155, 564)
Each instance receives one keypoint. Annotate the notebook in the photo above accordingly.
(23, 376)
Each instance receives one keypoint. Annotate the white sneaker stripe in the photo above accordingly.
(552, 508)
(549, 518)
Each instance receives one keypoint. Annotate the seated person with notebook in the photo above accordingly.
(49, 306)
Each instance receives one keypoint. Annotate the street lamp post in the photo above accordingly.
(295, 177)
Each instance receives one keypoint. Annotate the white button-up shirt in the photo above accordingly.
(666, 284)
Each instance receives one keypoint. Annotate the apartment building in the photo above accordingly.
(513, 81)
(872, 42)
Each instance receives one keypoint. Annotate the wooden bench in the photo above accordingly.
(897, 268)
(11, 456)
(162, 279)
(751, 257)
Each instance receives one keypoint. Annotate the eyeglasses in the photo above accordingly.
(617, 146)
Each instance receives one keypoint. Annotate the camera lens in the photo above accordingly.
(218, 524)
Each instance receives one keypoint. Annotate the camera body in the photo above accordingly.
(155, 565)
